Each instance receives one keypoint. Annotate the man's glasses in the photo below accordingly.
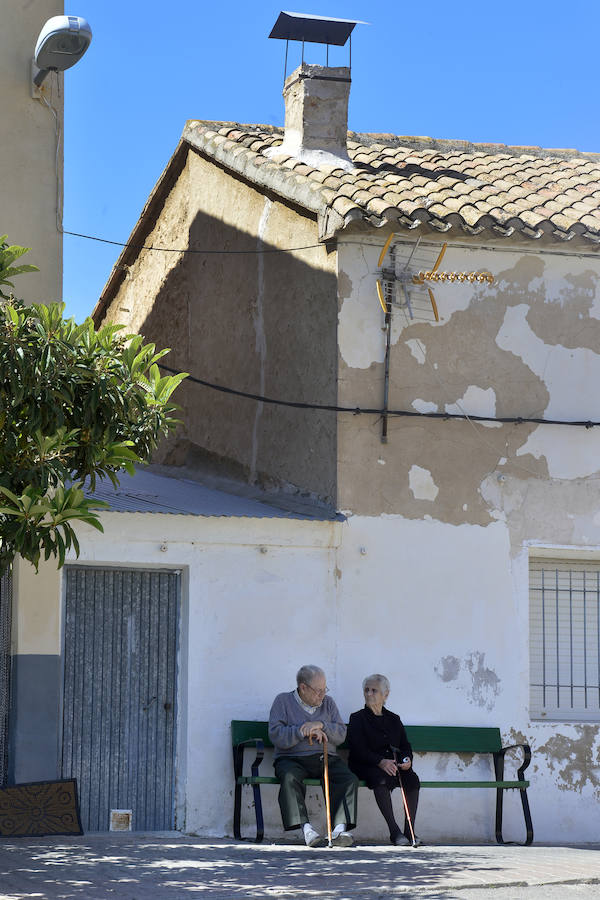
(320, 693)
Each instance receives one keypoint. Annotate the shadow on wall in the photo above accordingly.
(264, 323)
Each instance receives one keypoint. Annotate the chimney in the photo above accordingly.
(316, 115)
(316, 97)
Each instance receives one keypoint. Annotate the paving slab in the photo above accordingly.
(171, 866)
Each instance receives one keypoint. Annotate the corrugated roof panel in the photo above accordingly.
(149, 492)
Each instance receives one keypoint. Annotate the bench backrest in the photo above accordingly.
(423, 738)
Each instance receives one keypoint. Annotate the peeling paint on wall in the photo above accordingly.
(576, 760)
(565, 457)
(555, 513)
(424, 406)
(418, 350)
(422, 484)
(469, 675)
(476, 402)
(449, 668)
(564, 370)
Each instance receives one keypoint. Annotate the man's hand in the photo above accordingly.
(313, 730)
(405, 766)
(388, 766)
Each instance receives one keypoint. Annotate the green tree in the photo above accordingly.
(76, 404)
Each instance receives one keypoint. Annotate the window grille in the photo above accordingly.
(564, 639)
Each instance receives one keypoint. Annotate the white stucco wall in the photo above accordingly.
(433, 606)
(442, 610)
(259, 599)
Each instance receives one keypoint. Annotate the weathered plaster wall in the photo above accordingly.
(448, 512)
(528, 345)
(31, 175)
(258, 322)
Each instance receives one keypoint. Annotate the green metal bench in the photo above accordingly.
(423, 739)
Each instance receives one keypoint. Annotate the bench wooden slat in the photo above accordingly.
(452, 739)
(423, 738)
(314, 782)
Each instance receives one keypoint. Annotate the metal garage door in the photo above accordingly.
(120, 656)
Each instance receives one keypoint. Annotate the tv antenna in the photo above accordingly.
(403, 282)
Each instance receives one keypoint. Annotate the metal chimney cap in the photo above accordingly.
(292, 26)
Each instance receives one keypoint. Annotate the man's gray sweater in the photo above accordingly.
(287, 716)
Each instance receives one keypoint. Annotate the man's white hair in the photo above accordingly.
(381, 680)
(306, 674)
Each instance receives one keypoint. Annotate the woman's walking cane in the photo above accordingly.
(406, 810)
(326, 783)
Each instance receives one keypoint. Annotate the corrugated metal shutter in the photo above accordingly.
(564, 639)
(119, 702)
(5, 625)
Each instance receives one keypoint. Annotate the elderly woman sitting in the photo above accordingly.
(381, 755)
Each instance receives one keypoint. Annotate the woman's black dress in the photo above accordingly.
(370, 739)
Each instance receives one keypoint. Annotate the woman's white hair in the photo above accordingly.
(306, 674)
(381, 680)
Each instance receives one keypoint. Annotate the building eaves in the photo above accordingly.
(410, 182)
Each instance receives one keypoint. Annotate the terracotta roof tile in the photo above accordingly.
(506, 190)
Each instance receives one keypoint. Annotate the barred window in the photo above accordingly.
(564, 639)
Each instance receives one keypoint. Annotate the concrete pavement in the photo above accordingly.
(171, 866)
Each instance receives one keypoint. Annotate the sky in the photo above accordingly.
(512, 72)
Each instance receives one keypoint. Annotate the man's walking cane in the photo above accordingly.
(406, 810)
(326, 786)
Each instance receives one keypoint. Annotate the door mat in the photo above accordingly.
(40, 808)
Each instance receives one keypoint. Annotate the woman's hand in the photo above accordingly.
(388, 766)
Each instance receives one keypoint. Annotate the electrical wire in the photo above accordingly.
(57, 130)
(361, 410)
(91, 237)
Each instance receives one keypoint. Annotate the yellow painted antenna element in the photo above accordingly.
(385, 249)
(472, 277)
(393, 279)
(380, 295)
(433, 304)
(440, 257)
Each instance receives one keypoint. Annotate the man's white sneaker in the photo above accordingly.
(312, 838)
(340, 837)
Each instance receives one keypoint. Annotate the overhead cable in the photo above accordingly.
(90, 237)
(362, 410)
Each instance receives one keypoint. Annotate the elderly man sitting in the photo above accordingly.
(298, 719)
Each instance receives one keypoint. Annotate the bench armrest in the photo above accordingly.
(499, 760)
(238, 755)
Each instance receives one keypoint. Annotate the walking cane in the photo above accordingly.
(326, 786)
(326, 783)
(406, 810)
